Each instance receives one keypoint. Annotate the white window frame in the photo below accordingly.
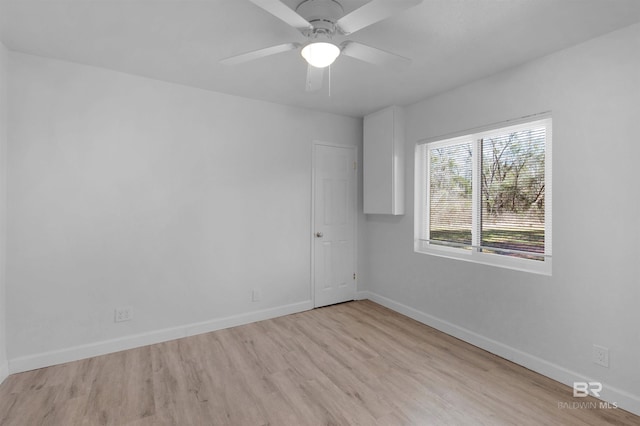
(474, 254)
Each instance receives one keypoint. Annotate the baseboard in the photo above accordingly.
(46, 359)
(4, 371)
(622, 399)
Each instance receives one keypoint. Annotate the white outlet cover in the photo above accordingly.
(124, 313)
(601, 355)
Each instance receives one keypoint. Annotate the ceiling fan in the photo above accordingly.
(319, 21)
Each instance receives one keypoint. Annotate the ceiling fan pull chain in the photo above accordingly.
(329, 80)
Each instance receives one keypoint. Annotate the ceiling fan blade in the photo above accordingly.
(373, 55)
(283, 12)
(314, 78)
(372, 12)
(260, 53)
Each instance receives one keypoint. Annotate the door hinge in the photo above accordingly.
(354, 275)
(355, 165)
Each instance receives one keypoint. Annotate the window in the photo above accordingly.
(485, 196)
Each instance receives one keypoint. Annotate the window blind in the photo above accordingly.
(512, 195)
(450, 194)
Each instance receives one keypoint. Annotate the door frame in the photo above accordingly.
(354, 148)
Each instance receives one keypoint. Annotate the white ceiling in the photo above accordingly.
(451, 42)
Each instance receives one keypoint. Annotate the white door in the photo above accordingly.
(334, 221)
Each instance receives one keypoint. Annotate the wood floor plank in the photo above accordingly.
(122, 389)
(356, 363)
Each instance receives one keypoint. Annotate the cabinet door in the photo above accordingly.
(383, 159)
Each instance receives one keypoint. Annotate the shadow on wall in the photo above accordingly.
(384, 218)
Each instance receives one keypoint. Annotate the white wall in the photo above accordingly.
(546, 323)
(3, 209)
(130, 191)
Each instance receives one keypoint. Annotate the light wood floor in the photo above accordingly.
(350, 364)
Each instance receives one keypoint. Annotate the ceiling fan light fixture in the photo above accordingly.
(320, 54)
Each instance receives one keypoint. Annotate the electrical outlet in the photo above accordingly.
(256, 295)
(124, 313)
(601, 355)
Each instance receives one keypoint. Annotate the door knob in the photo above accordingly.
(319, 234)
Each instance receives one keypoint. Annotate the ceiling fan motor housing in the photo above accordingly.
(322, 14)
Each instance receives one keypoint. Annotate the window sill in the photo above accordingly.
(500, 261)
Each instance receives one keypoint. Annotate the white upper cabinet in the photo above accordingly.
(383, 167)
